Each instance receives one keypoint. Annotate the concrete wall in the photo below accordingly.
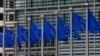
(1, 10)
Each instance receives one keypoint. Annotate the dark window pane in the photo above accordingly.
(52, 42)
(1, 3)
(11, 4)
(11, 16)
(10, 54)
(1, 30)
(99, 16)
(1, 16)
(97, 0)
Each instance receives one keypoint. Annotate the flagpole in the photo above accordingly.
(3, 42)
(71, 32)
(3, 39)
(42, 35)
(29, 33)
(25, 26)
(87, 32)
(16, 35)
(94, 34)
(56, 39)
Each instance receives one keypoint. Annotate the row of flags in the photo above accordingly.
(79, 25)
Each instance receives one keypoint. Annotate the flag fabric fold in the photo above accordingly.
(66, 28)
(93, 23)
(9, 38)
(62, 36)
(35, 33)
(49, 31)
(79, 24)
(22, 35)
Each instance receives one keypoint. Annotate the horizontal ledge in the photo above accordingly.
(8, 23)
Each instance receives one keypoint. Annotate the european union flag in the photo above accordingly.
(93, 24)
(9, 38)
(49, 31)
(22, 35)
(79, 24)
(62, 36)
(35, 33)
(66, 28)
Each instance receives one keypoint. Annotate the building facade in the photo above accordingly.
(1, 13)
(20, 10)
(1, 17)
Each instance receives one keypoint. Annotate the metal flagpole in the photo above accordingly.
(94, 34)
(16, 35)
(3, 42)
(25, 27)
(87, 32)
(29, 20)
(56, 37)
(24, 49)
(57, 43)
(71, 32)
(42, 35)
(94, 6)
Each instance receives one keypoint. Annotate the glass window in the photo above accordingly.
(1, 30)
(1, 3)
(0, 54)
(10, 54)
(97, 0)
(1, 16)
(52, 43)
(11, 4)
(11, 17)
(99, 16)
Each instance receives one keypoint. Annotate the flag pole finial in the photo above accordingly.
(86, 4)
(42, 16)
(56, 12)
(29, 19)
(70, 8)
